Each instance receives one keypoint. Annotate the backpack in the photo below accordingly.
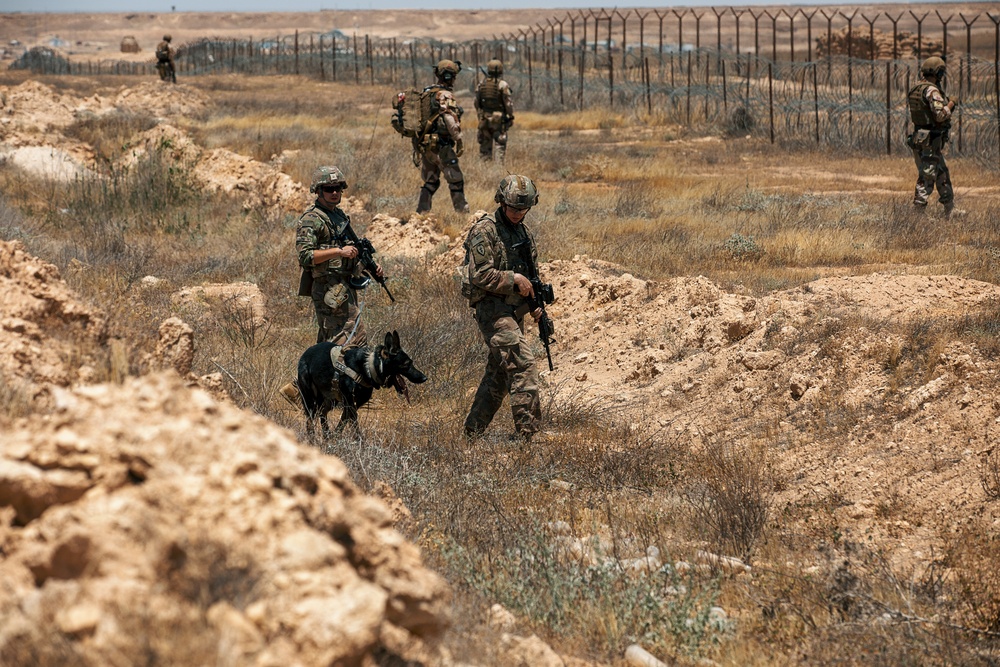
(489, 96)
(416, 111)
(163, 52)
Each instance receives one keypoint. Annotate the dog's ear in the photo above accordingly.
(395, 340)
(388, 343)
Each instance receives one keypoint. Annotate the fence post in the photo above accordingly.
(809, 34)
(611, 72)
(960, 96)
(829, 43)
(920, 32)
(770, 98)
(333, 55)
(725, 100)
(850, 72)
(368, 57)
(322, 69)
(888, 111)
(944, 32)
(357, 74)
(687, 94)
(816, 100)
(583, 57)
(871, 43)
(296, 53)
(649, 95)
(531, 84)
(895, 34)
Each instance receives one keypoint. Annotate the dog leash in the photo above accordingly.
(357, 321)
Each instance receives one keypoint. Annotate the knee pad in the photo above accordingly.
(431, 186)
(458, 186)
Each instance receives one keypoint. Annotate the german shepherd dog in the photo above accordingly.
(385, 365)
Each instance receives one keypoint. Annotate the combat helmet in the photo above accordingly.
(447, 70)
(166, 38)
(517, 192)
(326, 175)
(933, 66)
(494, 68)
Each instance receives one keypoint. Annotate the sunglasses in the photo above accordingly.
(330, 189)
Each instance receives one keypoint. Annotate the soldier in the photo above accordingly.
(441, 145)
(497, 251)
(165, 60)
(931, 115)
(495, 110)
(329, 261)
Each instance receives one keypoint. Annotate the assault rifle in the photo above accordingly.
(366, 256)
(543, 295)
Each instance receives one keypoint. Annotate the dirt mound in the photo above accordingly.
(244, 547)
(258, 185)
(42, 324)
(163, 100)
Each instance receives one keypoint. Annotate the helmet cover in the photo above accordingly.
(326, 175)
(517, 192)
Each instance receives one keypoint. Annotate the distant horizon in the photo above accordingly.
(262, 6)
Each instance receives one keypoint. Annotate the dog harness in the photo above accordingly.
(337, 359)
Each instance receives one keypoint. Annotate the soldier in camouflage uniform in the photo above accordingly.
(325, 252)
(931, 116)
(165, 60)
(495, 110)
(496, 286)
(442, 143)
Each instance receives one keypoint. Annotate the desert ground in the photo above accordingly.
(770, 427)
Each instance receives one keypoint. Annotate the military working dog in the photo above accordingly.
(349, 380)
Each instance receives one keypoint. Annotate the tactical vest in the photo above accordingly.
(490, 99)
(507, 258)
(332, 234)
(920, 110)
(163, 52)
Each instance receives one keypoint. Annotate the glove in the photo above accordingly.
(954, 101)
(510, 121)
(459, 148)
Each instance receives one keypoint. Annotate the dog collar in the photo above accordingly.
(370, 366)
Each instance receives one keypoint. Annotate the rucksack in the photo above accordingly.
(416, 111)
(489, 96)
(163, 52)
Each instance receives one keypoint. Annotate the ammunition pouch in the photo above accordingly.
(920, 140)
(336, 296)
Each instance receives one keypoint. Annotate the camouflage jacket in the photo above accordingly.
(492, 259)
(319, 229)
(448, 124)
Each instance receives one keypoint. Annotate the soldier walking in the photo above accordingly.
(931, 116)
(441, 144)
(495, 110)
(165, 60)
(497, 251)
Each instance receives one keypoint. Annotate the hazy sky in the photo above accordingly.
(313, 5)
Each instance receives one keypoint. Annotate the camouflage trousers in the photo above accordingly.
(492, 131)
(510, 369)
(435, 162)
(336, 323)
(932, 171)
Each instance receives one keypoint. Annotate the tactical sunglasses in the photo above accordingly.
(330, 189)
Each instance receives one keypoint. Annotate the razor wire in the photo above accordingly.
(837, 101)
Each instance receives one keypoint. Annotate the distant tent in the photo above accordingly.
(129, 45)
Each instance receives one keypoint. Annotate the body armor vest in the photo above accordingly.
(489, 96)
(920, 110)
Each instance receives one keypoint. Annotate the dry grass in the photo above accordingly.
(658, 203)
